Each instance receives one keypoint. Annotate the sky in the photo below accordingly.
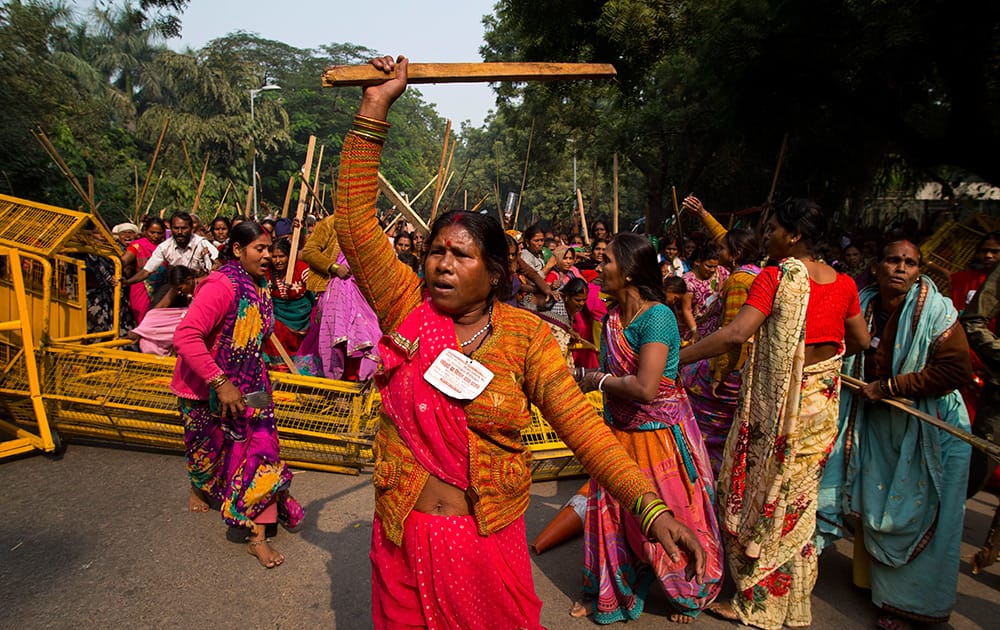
(423, 30)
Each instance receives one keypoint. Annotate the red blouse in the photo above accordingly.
(829, 304)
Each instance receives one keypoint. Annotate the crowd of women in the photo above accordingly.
(726, 444)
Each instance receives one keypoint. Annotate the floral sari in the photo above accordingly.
(782, 434)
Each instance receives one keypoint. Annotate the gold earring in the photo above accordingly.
(628, 278)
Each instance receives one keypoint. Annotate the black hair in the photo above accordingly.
(405, 235)
(992, 236)
(675, 284)
(575, 286)
(485, 230)
(220, 218)
(184, 216)
(151, 221)
(593, 226)
(707, 251)
(530, 231)
(743, 246)
(803, 217)
(267, 222)
(597, 241)
(243, 234)
(282, 244)
(637, 260)
(178, 275)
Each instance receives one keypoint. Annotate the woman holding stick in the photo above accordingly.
(904, 480)
(451, 475)
(805, 317)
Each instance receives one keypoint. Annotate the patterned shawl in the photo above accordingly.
(754, 481)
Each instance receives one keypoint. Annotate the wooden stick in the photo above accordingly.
(441, 172)
(524, 174)
(247, 206)
(152, 164)
(614, 194)
(50, 148)
(201, 186)
(774, 185)
(424, 189)
(475, 208)
(152, 197)
(346, 76)
(284, 355)
(677, 215)
(225, 193)
(451, 200)
(393, 222)
(288, 197)
(300, 209)
(397, 200)
(583, 215)
(991, 449)
(187, 160)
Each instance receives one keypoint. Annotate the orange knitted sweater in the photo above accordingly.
(521, 353)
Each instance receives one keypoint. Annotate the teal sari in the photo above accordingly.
(902, 479)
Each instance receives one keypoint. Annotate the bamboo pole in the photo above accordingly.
(364, 75)
(152, 197)
(475, 208)
(774, 184)
(300, 210)
(424, 189)
(465, 171)
(288, 197)
(583, 215)
(614, 194)
(152, 164)
(225, 193)
(902, 404)
(187, 160)
(401, 204)
(441, 172)
(201, 187)
(524, 173)
(677, 215)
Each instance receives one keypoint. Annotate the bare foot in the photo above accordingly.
(888, 622)
(265, 554)
(196, 501)
(723, 610)
(680, 618)
(580, 610)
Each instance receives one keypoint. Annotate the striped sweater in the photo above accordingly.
(521, 353)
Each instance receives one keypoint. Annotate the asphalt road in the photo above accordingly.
(102, 538)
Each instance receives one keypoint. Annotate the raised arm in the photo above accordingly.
(391, 287)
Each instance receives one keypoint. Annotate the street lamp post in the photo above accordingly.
(253, 175)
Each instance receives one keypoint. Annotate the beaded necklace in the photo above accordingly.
(489, 322)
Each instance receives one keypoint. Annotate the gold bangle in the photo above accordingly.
(218, 381)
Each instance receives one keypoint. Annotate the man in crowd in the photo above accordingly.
(977, 318)
(183, 248)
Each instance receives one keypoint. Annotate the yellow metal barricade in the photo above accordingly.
(19, 384)
(85, 386)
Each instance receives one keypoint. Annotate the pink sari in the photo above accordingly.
(140, 292)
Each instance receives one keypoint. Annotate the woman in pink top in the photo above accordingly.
(230, 433)
(154, 230)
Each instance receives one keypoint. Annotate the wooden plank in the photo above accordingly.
(300, 209)
(401, 205)
(346, 76)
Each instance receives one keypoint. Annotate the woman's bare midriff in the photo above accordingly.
(442, 499)
(821, 352)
